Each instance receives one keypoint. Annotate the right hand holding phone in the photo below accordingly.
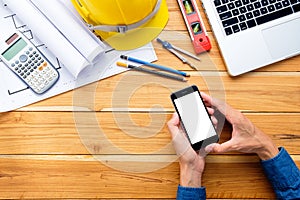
(246, 137)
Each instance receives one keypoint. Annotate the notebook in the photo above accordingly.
(254, 33)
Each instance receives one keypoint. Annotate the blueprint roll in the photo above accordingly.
(43, 29)
(76, 33)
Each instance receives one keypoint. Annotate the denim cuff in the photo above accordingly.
(189, 193)
(283, 173)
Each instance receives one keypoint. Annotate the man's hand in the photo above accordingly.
(246, 137)
(191, 164)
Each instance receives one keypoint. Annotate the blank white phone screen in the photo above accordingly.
(194, 117)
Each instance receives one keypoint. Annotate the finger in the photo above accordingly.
(223, 107)
(173, 124)
(209, 148)
(230, 113)
(206, 98)
(202, 153)
(175, 128)
(219, 148)
(179, 139)
(211, 111)
(220, 105)
(214, 120)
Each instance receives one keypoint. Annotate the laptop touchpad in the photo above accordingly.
(283, 40)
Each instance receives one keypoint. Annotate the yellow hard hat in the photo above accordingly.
(124, 24)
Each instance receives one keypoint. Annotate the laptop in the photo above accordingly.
(254, 33)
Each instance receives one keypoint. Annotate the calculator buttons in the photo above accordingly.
(38, 74)
(31, 67)
(23, 58)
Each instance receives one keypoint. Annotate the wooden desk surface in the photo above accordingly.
(45, 148)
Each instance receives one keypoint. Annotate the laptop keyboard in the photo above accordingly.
(240, 15)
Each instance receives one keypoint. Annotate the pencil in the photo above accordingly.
(178, 78)
(167, 69)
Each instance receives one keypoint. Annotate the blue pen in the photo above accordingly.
(154, 65)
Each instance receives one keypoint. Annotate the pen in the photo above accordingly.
(178, 78)
(155, 65)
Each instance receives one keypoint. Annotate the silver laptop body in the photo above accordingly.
(254, 33)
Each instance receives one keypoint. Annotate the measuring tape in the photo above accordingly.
(194, 24)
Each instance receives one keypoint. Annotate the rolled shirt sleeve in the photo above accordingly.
(189, 193)
(281, 171)
(283, 174)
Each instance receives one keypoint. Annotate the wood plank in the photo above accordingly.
(42, 156)
(105, 132)
(86, 178)
(255, 92)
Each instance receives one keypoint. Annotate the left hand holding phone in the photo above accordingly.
(191, 163)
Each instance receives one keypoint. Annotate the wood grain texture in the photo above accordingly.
(45, 148)
(255, 92)
(86, 178)
(102, 132)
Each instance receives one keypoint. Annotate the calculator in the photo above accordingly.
(28, 63)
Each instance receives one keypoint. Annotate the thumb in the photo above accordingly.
(179, 140)
(219, 148)
(173, 124)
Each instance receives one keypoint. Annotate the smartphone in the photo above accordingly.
(194, 117)
(28, 63)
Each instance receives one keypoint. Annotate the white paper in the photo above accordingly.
(46, 32)
(74, 32)
(15, 94)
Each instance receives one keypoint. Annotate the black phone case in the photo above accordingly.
(201, 144)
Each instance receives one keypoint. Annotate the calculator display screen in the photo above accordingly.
(13, 50)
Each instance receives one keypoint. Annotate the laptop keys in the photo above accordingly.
(243, 26)
(228, 31)
(230, 21)
(296, 8)
(251, 23)
(274, 15)
(225, 15)
(240, 15)
(238, 3)
(217, 2)
(221, 9)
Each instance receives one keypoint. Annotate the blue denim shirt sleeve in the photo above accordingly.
(283, 174)
(281, 171)
(188, 193)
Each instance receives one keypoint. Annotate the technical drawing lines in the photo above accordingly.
(17, 91)
(58, 64)
(14, 21)
(28, 34)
